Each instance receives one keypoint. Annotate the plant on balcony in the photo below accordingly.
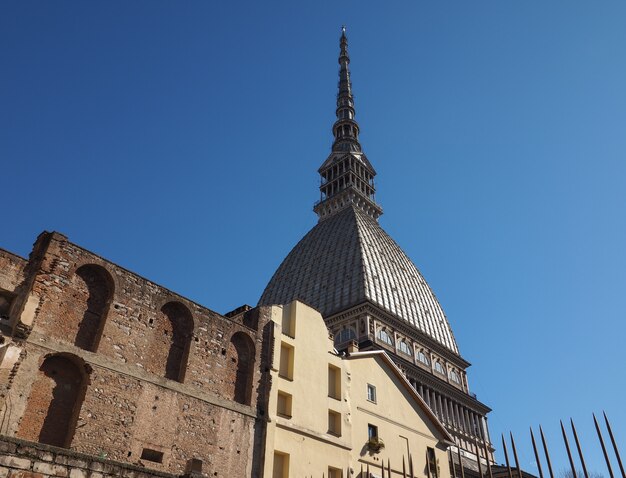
(375, 444)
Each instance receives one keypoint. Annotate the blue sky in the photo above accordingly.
(181, 140)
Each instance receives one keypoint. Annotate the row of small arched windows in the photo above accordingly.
(420, 355)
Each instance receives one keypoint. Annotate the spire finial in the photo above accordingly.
(345, 129)
(347, 175)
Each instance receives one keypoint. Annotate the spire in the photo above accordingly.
(347, 177)
(345, 129)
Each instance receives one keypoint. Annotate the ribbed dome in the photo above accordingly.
(347, 259)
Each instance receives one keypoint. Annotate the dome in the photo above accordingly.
(348, 259)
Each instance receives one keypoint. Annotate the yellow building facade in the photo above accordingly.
(334, 415)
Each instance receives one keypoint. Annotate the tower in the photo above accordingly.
(369, 291)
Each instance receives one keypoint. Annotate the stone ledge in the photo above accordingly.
(62, 458)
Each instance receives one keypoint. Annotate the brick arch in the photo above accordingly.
(55, 401)
(94, 289)
(241, 354)
(171, 339)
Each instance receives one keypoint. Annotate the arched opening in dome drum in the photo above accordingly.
(383, 336)
(345, 336)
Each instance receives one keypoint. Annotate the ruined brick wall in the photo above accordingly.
(11, 270)
(157, 372)
(22, 459)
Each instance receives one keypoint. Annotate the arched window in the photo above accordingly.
(422, 357)
(345, 336)
(439, 368)
(454, 377)
(404, 348)
(54, 403)
(241, 367)
(384, 336)
(89, 305)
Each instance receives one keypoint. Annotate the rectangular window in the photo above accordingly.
(334, 472)
(283, 406)
(152, 455)
(286, 361)
(372, 431)
(334, 382)
(281, 465)
(289, 324)
(432, 462)
(334, 422)
(371, 393)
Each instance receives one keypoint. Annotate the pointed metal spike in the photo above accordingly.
(411, 466)
(506, 457)
(480, 466)
(545, 449)
(606, 455)
(532, 438)
(452, 461)
(517, 464)
(458, 449)
(487, 458)
(569, 453)
(404, 468)
(388, 468)
(619, 459)
(580, 451)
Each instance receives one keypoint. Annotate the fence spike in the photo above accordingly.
(404, 468)
(619, 459)
(545, 449)
(580, 451)
(388, 468)
(411, 466)
(569, 453)
(480, 466)
(506, 457)
(519, 468)
(451, 461)
(487, 458)
(458, 449)
(532, 438)
(606, 455)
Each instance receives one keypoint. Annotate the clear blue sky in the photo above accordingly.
(181, 140)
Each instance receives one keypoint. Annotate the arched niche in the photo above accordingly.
(90, 304)
(55, 401)
(241, 355)
(170, 341)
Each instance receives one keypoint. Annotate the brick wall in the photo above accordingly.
(23, 459)
(136, 371)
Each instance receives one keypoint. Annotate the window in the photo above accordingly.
(454, 377)
(384, 336)
(152, 455)
(371, 393)
(345, 336)
(289, 324)
(281, 465)
(421, 357)
(334, 382)
(372, 431)
(439, 368)
(404, 348)
(286, 361)
(283, 405)
(432, 462)
(334, 472)
(334, 422)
